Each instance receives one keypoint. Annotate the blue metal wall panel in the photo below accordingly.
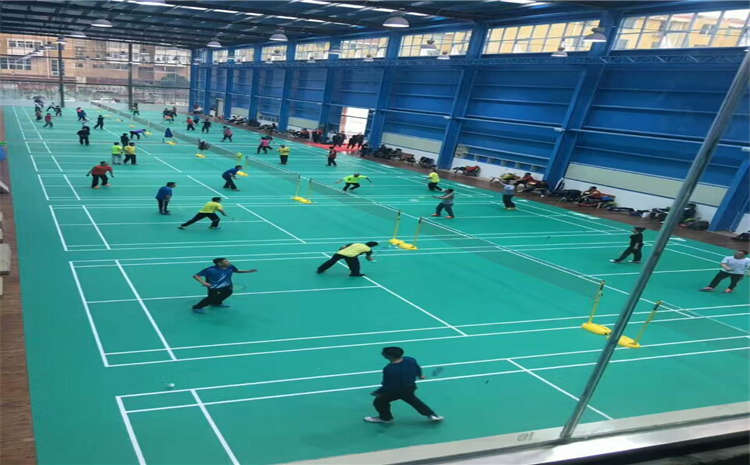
(356, 87)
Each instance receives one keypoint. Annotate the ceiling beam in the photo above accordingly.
(407, 6)
(123, 36)
(267, 12)
(178, 28)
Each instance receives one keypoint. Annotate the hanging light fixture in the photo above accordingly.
(101, 23)
(429, 45)
(560, 53)
(444, 55)
(368, 59)
(596, 36)
(78, 35)
(396, 21)
(213, 44)
(278, 36)
(334, 51)
(311, 58)
(60, 40)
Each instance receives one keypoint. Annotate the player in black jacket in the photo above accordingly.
(636, 247)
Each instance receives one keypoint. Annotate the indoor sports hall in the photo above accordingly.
(544, 205)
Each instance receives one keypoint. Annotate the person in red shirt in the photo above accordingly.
(100, 172)
(48, 121)
(332, 156)
(190, 124)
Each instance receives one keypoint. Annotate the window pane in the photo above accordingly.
(524, 32)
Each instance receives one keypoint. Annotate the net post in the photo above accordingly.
(648, 321)
(419, 229)
(395, 240)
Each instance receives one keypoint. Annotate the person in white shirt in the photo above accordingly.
(734, 268)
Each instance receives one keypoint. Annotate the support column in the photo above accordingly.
(229, 85)
(375, 138)
(253, 111)
(325, 107)
(61, 74)
(735, 202)
(288, 75)
(458, 110)
(580, 103)
(130, 75)
(207, 84)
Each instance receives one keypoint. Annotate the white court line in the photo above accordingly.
(496, 333)
(34, 126)
(715, 262)
(557, 388)
(401, 341)
(407, 301)
(44, 190)
(208, 187)
(434, 380)
(655, 272)
(33, 162)
(434, 365)
(97, 340)
(215, 429)
(47, 147)
(131, 432)
(65, 176)
(145, 310)
(57, 226)
(59, 168)
(96, 227)
(149, 222)
(702, 250)
(285, 291)
(272, 224)
(23, 134)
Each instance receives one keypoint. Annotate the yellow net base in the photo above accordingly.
(406, 246)
(628, 342)
(301, 199)
(596, 328)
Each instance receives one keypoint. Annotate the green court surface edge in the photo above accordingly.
(285, 373)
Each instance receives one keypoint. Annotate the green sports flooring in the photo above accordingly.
(496, 298)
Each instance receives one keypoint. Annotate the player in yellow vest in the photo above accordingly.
(129, 153)
(284, 153)
(350, 253)
(432, 180)
(353, 181)
(117, 154)
(208, 211)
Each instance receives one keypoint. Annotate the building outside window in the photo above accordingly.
(538, 38)
(449, 43)
(727, 28)
(312, 51)
(360, 48)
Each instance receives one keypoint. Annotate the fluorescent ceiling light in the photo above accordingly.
(396, 21)
(315, 2)
(253, 14)
(596, 36)
(385, 10)
(101, 23)
(226, 11)
(560, 53)
(349, 5)
(520, 2)
(194, 8)
(415, 14)
(286, 17)
(314, 20)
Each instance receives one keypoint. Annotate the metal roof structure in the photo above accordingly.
(192, 23)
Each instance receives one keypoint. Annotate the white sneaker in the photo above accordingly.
(436, 418)
(376, 420)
